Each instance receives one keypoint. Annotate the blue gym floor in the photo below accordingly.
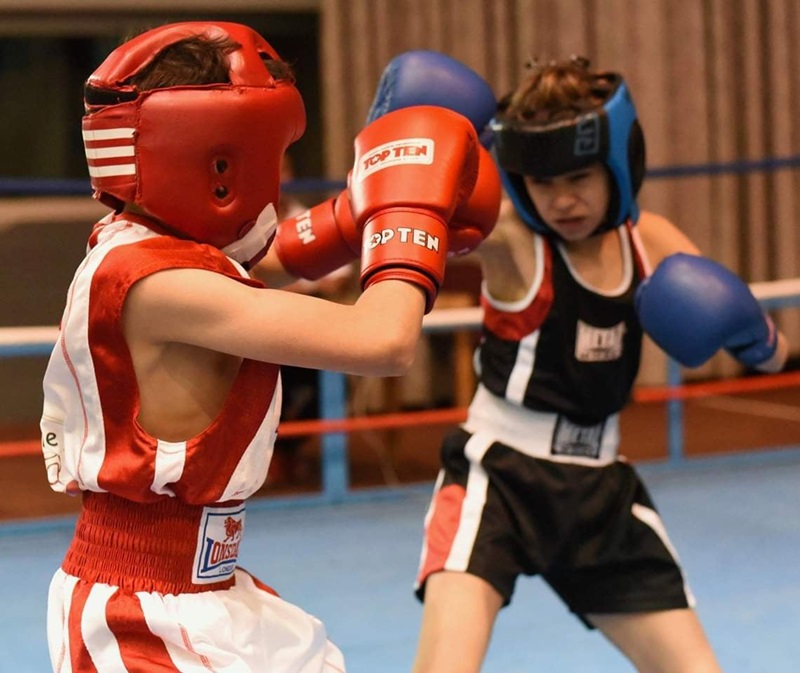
(735, 522)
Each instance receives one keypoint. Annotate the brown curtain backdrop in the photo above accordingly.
(713, 80)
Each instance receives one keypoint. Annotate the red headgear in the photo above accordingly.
(204, 160)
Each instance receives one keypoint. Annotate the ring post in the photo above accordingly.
(333, 405)
(674, 414)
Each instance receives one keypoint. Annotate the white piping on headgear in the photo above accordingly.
(254, 241)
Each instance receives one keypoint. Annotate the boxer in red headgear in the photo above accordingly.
(162, 396)
(202, 158)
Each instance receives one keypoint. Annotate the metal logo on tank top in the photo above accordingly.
(572, 439)
(599, 344)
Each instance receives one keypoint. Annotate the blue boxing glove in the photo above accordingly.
(430, 78)
(691, 307)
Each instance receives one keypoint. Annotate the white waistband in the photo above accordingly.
(541, 434)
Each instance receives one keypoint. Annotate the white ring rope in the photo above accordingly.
(26, 341)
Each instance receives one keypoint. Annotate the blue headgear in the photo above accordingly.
(609, 133)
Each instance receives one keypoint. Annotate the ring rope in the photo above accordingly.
(29, 341)
(14, 186)
(455, 415)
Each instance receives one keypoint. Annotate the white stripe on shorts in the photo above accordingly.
(474, 501)
(60, 602)
(169, 619)
(99, 640)
(651, 518)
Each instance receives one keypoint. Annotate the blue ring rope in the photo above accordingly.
(80, 187)
(10, 186)
(725, 167)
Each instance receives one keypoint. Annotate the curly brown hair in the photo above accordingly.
(556, 90)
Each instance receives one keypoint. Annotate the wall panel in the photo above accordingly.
(714, 81)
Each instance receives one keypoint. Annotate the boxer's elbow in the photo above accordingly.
(395, 351)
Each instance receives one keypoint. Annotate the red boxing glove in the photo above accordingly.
(413, 168)
(474, 220)
(319, 240)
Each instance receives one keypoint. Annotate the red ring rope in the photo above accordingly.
(642, 394)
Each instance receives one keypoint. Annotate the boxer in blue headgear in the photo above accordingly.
(532, 482)
(603, 127)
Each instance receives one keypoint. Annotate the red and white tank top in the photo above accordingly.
(90, 435)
